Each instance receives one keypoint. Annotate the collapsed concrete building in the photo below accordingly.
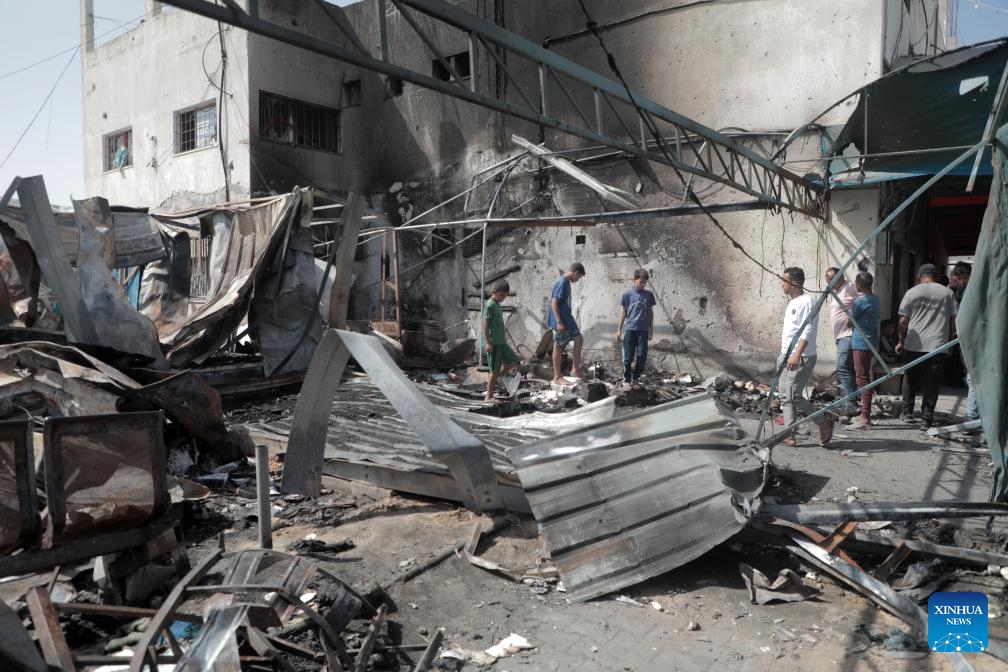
(757, 71)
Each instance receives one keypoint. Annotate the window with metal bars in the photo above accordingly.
(117, 149)
(199, 270)
(294, 122)
(196, 127)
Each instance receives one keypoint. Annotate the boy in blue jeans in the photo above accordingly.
(637, 316)
(501, 359)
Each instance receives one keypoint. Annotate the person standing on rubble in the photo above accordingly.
(842, 335)
(636, 327)
(926, 320)
(796, 368)
(561, 320)
(866, 313)
(961, 273)
(501, 359)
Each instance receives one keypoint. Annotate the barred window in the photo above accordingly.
(199, 271)
(117, 149)
(293, 122)
(196, 127)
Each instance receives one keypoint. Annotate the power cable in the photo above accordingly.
(41, 107)
(611, 61)
(69, 49)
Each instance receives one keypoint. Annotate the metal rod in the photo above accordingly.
(429, 42)
(473, 63)
(988, 133)
(857, 327)
(382, 30)
(263, 496)
(831, 514)
(870, 386)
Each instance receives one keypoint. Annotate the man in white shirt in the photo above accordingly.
(796, 368)
(842, 333)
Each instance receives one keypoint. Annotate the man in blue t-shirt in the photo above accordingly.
(561, 320)
(866, 313)
(636, 327)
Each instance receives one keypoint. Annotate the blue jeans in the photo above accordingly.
(845, 368)
(634, 343)
(972, 412)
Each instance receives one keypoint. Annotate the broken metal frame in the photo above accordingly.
(722, 160)
(19, 462)
(814, 313)
(873, 588)
(99, 427)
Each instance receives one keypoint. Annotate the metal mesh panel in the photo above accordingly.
(18, 502)
(104, 472)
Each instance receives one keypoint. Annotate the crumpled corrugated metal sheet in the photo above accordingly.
(116, 323)
(135, 237)
(982, 321)
(244, 238)
(626, 500)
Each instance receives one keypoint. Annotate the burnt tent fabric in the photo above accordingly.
(938, 103)
(982, 321)
(104, 472)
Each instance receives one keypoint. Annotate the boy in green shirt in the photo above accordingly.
(501, 359)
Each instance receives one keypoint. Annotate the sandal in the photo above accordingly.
(788, 441)
(826, 433)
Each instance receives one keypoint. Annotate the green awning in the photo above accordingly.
(916, 120)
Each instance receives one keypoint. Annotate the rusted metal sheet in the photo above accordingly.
(104, 472)
(625, 500)
(189, 400)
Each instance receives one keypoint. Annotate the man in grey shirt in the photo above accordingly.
(926, 320)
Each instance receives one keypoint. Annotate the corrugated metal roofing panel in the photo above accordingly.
(626, 500)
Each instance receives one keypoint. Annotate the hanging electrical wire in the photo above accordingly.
(41, 107)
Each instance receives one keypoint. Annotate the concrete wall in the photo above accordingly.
(139, 80)
(757, 65)
(760, 65)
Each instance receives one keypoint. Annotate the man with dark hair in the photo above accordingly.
(842, 334)
(866, 313)
(926, 320)
(796, 368)
(637, 315)
(560, 318)
(961, 273)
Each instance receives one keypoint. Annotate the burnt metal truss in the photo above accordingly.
(604, 111)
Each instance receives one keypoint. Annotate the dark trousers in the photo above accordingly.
(922, 379)
(634, 346)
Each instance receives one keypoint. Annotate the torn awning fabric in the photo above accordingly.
(928, 111)
(982, 321)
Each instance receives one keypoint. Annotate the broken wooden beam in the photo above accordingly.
(47, 629)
